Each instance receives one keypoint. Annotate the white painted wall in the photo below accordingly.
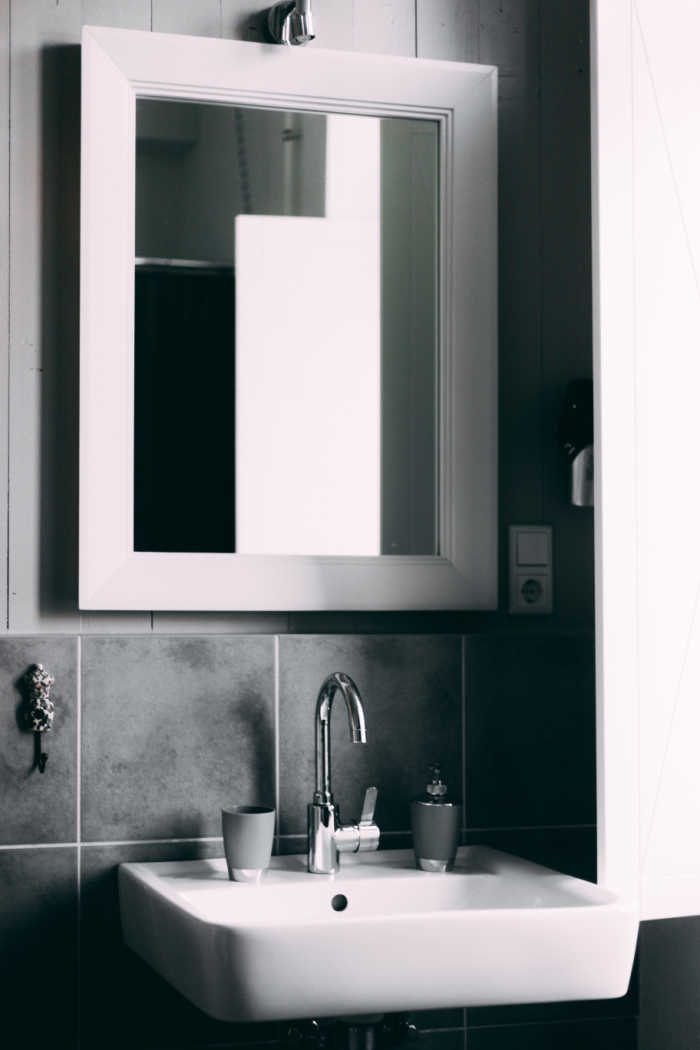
(308, 469)
(648, 262)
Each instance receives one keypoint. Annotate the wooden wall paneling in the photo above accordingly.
(121, 14)
(44, 271)
(4, 290)
(566, 285)
(243, 20)
(202, 18)
(334, 24)
(384, 26)
(448, 29)
(44, 189)
(508, 38)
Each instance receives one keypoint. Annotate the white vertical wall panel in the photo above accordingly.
(44, 263)
(384, 26)
(316, 447)
(182, 16)
(667, 253)
(43, 334)
(448, 29)
(122, 14)
(333, 23)
(4, 290)
(617, 754)
(649, 96)
(242, 20)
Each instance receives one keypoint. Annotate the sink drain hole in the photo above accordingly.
(339, 902)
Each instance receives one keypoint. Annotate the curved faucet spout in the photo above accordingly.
(356, 721)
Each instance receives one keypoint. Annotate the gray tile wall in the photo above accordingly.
(153, 734)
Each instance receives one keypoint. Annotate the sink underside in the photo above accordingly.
(497, 929)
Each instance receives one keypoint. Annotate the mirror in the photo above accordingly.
(294, 256)
(288, 328)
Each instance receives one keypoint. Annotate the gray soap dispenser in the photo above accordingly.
(435, 823)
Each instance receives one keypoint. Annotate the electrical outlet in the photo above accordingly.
(530, 569)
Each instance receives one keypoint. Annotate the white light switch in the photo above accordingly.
(530, 569)
(532, 547)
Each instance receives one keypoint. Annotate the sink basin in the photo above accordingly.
(379, 936)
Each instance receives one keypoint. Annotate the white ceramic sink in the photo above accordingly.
(497, 929)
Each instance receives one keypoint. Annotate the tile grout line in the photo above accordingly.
(8, 847)
(78, 729)
(600, 1019)
(104, 842)
(540, 262)
(463, 700)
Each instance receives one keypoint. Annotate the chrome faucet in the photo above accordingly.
(327, 836)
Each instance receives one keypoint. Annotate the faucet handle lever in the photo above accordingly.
(368, 806)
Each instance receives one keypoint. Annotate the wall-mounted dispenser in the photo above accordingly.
(576, 439)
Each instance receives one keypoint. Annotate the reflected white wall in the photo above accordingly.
(308, 348)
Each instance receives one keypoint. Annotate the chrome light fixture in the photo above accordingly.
(291, 22)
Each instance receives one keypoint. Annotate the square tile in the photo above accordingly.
(411, 691)
(124, 1003)
(39, 938)
(669, 951)
(530, 731)
(38, 807)
(173, 729)
(436, 1040)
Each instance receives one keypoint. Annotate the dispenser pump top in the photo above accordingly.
(437, 789)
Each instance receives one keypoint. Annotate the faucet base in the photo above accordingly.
(323, 852)
(327, 840)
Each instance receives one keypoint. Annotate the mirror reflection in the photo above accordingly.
(285, 332)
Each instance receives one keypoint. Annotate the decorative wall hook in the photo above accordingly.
(40, 709)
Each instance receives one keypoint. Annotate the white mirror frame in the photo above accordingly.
(121, 65)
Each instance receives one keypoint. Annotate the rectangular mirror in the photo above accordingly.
(296, 254)
(288, 348)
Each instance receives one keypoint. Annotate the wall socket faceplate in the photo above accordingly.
(530, 569)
